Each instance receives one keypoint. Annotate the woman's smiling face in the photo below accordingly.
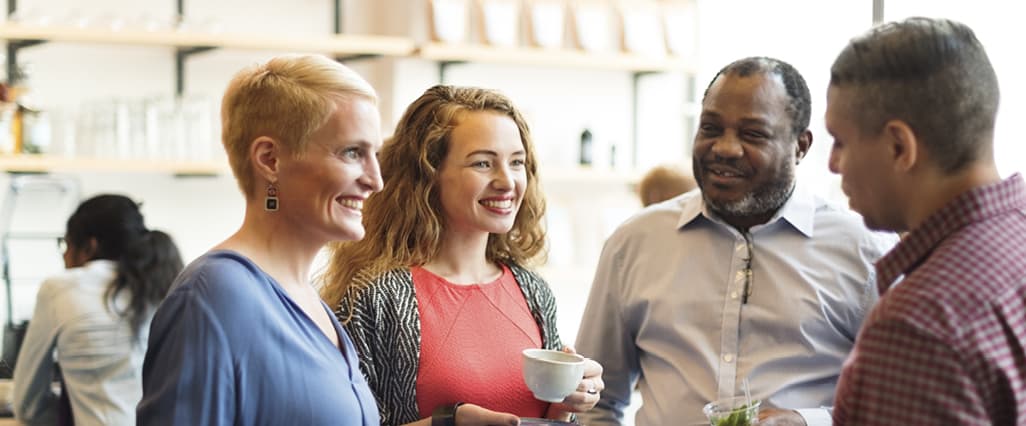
(484, 175)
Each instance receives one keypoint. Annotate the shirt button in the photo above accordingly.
(733, 295)
(728, 357)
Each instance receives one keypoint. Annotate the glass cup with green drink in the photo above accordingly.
(736, 411)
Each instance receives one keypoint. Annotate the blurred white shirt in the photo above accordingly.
(100, 360)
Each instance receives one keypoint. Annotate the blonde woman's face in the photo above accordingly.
(322, 193)
(483, 177)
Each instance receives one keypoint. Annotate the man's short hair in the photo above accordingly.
(800, 106)
(934, 75)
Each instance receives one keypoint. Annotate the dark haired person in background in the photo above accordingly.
(912, 107)
(96, 316)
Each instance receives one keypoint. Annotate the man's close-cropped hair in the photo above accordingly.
(934, 75)
(800, 106)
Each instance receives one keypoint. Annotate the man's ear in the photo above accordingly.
(903, 144)
(803, 145)
(265, 153)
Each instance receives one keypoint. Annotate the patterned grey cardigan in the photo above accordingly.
(385, 328)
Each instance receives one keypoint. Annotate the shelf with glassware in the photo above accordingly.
(350, 45)
(340, 45)
(38, 163)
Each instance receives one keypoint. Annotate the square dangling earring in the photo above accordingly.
(271, 201)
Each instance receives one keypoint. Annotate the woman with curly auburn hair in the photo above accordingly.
(438, 298)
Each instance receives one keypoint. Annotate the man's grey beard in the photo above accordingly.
(765, 200)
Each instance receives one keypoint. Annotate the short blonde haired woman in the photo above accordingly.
(439, 299)
(244, 338)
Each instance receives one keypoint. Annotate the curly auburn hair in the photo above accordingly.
(404, 221)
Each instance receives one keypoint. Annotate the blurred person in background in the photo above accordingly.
(662, 183)
(243, 338)
(439, 297)
(93, 319)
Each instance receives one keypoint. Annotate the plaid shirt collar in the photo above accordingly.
(972, 206)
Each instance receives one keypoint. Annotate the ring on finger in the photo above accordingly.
(591, 391)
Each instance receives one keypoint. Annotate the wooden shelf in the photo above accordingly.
(43, 163)
(551, 57)
(348, 44)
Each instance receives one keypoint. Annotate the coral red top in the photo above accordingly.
(471, 339)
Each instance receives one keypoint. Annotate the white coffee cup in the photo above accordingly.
(552, 375)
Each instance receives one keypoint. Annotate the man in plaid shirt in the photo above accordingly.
(911, 107)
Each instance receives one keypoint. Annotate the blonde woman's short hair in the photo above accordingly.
(286, 99)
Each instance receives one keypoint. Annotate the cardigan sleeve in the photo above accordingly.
(357, 315)
(385, 329)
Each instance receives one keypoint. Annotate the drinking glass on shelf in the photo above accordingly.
(168, 131)
(30, 16)
(110, 22)
(197, 116)
(150, 23)
(100, 129)
(209, 25)
(78, 19)
(64, 132)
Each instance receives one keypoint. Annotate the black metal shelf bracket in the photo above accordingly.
(443, 69)
(345, 58)
(181, 54)
(13, 46)
(339, 28)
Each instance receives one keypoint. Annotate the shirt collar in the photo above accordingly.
(799, 211)
(971, 206)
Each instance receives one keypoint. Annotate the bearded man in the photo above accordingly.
(747, 278)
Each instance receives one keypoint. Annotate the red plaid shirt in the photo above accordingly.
(947, 345)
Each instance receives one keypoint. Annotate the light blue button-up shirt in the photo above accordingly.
(686, 307)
